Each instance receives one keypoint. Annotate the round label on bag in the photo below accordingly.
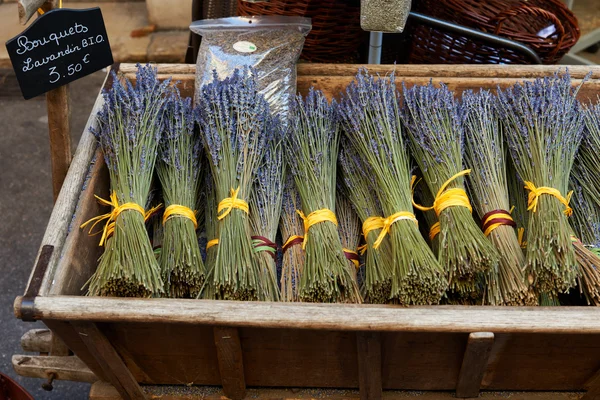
(244, 47)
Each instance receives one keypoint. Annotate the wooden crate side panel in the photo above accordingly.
(166, 353)
(299, 358)
(422, 360)
(542, 362)
(81, 250)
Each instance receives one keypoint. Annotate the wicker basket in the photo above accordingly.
(335, 35)
(546, 26)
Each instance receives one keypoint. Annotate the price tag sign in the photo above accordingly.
(59, 47)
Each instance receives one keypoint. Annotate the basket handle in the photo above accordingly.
(536, 11)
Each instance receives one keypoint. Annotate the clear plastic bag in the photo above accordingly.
(384, 15)
(269, 44)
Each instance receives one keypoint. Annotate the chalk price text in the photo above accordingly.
(71, 69)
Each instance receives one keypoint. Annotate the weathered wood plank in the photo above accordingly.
(112, 365)
(368, 348)
(67, 333)
(401, 70)
(231, 364)
(69, 368)
(81, 250)
(347, 317)
(477, 353)
(103, 391)
(593, 387)
(59, 114)
(37, 341)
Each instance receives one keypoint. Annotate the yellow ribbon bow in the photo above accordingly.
(177, 210)
(316, 217)
(389, 221)
(536, 192)
(229, 203)
(370, 224)
(445, 198)
(111, 217)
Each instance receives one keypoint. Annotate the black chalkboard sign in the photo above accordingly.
(59, 47)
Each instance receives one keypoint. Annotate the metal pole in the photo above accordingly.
(375, 42)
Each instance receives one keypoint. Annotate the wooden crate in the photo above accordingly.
(128, 342)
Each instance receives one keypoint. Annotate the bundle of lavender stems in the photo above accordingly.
(179, 171)
(129, 130)
(360, 190)
(236, 125)
(436, 135)
(265, 203)
(311, 148)
(485, 156)
(543, 128)
(371, 116)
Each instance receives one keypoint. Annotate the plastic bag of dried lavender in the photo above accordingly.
(269, 44)
(384, 15)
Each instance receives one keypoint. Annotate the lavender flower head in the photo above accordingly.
(313, 135)
(180, 153)
(235, 121)
(544, 126)
(432, 117)
(129, 130)
(371, 104)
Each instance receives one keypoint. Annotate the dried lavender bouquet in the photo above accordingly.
(129, 130)
(543, 126)
(485, 156)
(292, 231)
(349, 231)
(587, 162)
(265, 202)
(431, 116)
(179, 172)
(357, 179)
(371, 117)
(211, 227)
(234, 119)
(311, 149)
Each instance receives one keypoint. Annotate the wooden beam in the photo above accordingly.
(109, 360)
(104, 391)
(69, 368)
(593, 387)
(231, 365)
(477, 353)
(321, 316)
(60, 135)
(368, 345)
(37, 341)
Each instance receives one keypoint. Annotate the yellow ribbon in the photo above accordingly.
(290, 239)
(212, 243)
(370, 224)
(176, 210)
(316, 217)
(536, 192)
(229, 203)
(389, 221)
(111, 217)
(434, 230)
(448, 197)
(520, 236)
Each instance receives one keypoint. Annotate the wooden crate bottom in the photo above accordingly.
(104, 391)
